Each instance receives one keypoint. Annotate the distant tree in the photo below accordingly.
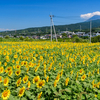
(95, 39)
(1, 38)
(64, 35)
(15, 35)
(27, 38)
(74, 36)
(21, 38)
(7, 37)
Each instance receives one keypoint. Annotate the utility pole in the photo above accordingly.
(90, 31)
(53, 28)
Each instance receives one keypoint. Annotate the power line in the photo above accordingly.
(65, 16)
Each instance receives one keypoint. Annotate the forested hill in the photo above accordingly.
(71, 27)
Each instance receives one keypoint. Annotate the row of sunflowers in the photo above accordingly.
(49, 71)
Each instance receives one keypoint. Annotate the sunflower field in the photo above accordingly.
(49, 71)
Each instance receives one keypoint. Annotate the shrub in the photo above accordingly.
(1, 39)
(7, 37)
(27, 39)
(76, 39)
(95, 39)
(21, 38)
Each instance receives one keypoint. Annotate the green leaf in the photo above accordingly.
(53, 89)
(23, 98)
(46, 86)
(68, 90)
(98, 96)
(28, 93)
(95, 99)
(33, 86)
(63, 97)
(11, 97)
(48, 91)
(15, 98)
(32, 97)
(42, 99)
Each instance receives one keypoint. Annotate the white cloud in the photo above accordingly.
(2, 29)
(89, 15)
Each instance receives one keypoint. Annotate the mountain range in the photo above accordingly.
(95, 17)
(72, 27)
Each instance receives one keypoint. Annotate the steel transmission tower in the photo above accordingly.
(53, 28)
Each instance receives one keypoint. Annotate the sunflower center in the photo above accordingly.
(25, 79)
(17, 72)
(5, 81)
(21, 91)
(5, 94)
(40, 84)
(36, 79)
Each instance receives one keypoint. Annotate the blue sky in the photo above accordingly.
(20, 14)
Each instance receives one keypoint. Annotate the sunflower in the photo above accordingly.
(40, 83)
(55, 83)
(5, 94)
(67, 80)
(58, 77)
(36, 79)
(17, 62)
(98, 71)
(39, 96)
(5, 64)
(15, 56)
(81, 71)
(10, 73)
(94, 85)
(29, 84)
(13, 61)
(21, 91)
(1, 70)
(0, 79)
(71, 72)
(22, 63)
(25, 62)
(18, 82)
(9, 68)
(18, 72)
(83, 77)
(25, 79)
(47, 79)
(6, 81)
(54, 68)
(36, 68)
(18, 66)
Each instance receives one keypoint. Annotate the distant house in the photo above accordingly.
(43, 37)
(59, 36)
(67, 32)
(1, 36)
(36, 37)
(80, 33)
(95, 34)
